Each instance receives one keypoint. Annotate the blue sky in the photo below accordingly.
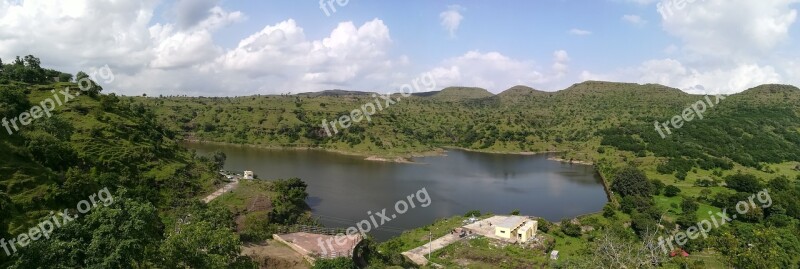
(224, 47)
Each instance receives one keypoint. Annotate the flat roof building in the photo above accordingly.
(517, 228)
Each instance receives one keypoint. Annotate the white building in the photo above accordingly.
(248, 175)
(554, 255)
(516, 228)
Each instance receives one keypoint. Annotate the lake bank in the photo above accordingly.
(395, 158)
(343, 188)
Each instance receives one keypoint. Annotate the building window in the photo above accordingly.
(502, 232)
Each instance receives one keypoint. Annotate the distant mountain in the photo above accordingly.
(425, 94)
(520, 92)
(335, 93)
(461, 93)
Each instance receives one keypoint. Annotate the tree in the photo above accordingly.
(289, 203)
(570, 228)
(704, 194)
(689, 205)
(49, 150)
(87, 85)
(121, 235)
(515, 212)
(108, 102)
(657, 186)
(744, 183)
(642, 223)
(635, 203)
(671, 191)
(681, 175)
(545, 225)
(631, 181)
(219, 159)
(608, 211)
(201, 244)
(64, 77)
(13, 101)
(6, 208)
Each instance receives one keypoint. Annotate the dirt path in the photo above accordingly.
(417, 255)
(221, 191)
(272, 254)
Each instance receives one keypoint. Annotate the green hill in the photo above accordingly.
(95, 145)
(461, 94)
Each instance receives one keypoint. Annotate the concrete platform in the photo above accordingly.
(487, 227)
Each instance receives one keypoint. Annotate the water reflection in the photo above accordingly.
(343, 188)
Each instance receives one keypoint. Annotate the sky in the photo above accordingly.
(236, 48)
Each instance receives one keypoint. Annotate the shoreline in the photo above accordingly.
(404, 158)
(524, 153)
(571, 161)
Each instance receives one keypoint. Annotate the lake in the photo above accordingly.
(343, 189)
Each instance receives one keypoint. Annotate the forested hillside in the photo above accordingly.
(743, 144)
(88, 143)
(575, 120)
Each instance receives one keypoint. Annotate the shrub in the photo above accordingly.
(631, 181)
(743, 183)
(608, 211)
(338, 263)
(657, 186)
(470, 213)
(671, 191)
(570, 229)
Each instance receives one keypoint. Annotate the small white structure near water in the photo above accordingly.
(516, 228)
(248, 175)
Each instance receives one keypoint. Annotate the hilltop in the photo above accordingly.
(461, 94)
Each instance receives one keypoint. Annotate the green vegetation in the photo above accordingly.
(484, 253)
(264, 207)
(98, 141)
(747, 142)
(338, 263)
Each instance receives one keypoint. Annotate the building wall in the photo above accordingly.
(526, 235)
(499, 232)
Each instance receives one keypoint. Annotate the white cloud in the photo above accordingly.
(78, 33)
(726, 46)
(497, 72)
(350, 53)
(641, 2)
(182, 57)
(634, 19)
(451, 19)
(576, 31)
(673, 73)
(560, 67)
(730, 30)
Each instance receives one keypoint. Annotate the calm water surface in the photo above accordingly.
(343, 189)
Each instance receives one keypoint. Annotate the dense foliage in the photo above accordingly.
(94, 142)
